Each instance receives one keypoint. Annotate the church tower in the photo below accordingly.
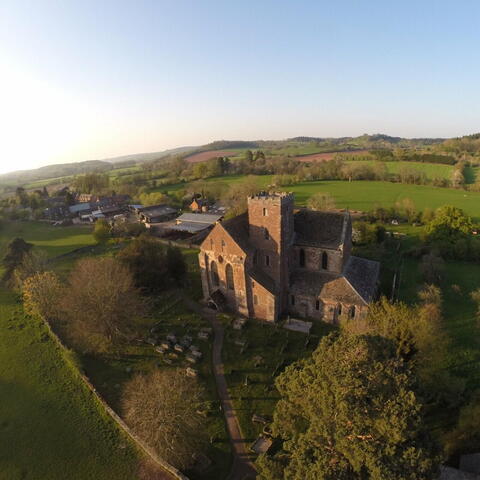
(271, 232)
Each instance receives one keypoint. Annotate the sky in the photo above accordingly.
(83, 80)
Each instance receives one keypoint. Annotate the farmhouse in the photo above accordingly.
(275, 260)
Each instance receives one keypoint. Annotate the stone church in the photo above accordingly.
(276, 260)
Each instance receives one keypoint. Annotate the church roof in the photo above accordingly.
(263, 279)
(327, 286)
(237, 228)
(320, 229)
(363, 274)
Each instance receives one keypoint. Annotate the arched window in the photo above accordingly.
(339, 308)
(214, 274)
(352, 311)
(229, 277)
(302, 257)
(325, 260)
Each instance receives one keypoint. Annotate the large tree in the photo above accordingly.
(154, 267)
(13, 258)
(100, 304)
(350, 412)
(449, 227)
(161, 408)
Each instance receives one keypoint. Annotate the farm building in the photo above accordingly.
(273, 261)
(194, 223)
(156, 213)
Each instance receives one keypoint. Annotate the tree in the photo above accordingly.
(350, 412)
(432, 268)
(13, 258)
(465, 437)
(449, 226)
(419, 334)
(154, 267)
(154, 198)
(475, 295)
(34, 261)
(235, 198)
(101, 304)
(101, 231)
(42, 294)
(176, 266)
(321, 201)
(161, 408)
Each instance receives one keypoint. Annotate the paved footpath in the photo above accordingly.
(242, 467)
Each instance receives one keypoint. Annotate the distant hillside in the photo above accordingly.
(146, 157)
(299, 146)
(52, 171)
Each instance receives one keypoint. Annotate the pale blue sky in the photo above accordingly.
(91, 79)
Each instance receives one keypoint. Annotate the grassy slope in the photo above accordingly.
(431, 170)
(365, 195)
(53, 240)
(50, 425)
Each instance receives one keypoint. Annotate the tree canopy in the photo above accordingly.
(161, 408)
(349, 412)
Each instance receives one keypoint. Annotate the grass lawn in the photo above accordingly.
(50, 425)
(250, 370)
(53, 240)
(109, 373)
(366, 195)
(431, 170)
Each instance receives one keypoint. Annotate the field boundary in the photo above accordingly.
(174, 472)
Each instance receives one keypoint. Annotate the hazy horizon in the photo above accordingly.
(92, 81)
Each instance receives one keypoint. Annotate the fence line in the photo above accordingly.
(115, 417)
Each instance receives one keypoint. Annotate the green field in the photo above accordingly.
(51, 426)
(366, 195)
(53, 240)
(431, 170)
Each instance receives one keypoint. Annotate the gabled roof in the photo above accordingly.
(363, 274)
(327, 286)
(237, 228)
(200, 218)
(320, 229)
(79, 207)
(263, 279)
(158, 210)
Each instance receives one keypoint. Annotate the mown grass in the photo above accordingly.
(431, 170)
(51, 427)
(250, 370)
(365, 195)
(110, 372)
(53, 240)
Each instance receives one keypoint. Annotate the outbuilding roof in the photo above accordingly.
(79, 207)
(199, 218)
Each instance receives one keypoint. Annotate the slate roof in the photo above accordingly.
(263, 279)
(363, 276)
(320, 229)
(199, 217)
(79, 207)
(327, 286)
(158, 211)
(237, 228)
(190, 227)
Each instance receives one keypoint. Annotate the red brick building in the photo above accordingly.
(274, 260)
